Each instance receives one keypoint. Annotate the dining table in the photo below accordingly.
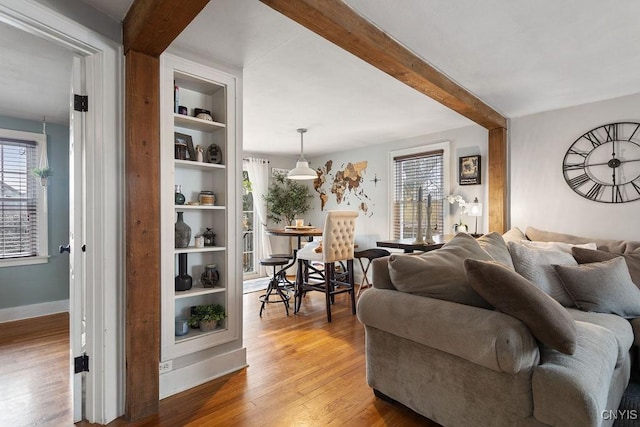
(409, 245)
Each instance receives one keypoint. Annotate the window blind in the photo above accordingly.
(18, 199)
(412, 172)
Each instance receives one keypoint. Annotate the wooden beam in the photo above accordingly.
(498, 212)
(338, 23)
(151, 25)
(142, 167)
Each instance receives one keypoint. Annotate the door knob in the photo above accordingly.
(64, 249)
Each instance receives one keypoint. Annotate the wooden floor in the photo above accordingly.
(34, 372)
(302, 371)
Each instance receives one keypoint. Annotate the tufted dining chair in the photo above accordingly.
(337, 246)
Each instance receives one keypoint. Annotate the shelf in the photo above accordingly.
(197, 290)
(195, 123)
(200, 207)
(188, 164)
(193, 249)
(197, 333)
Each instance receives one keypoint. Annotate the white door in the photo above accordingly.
(76, 235)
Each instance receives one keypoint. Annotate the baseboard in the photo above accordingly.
(33, 310)
(195, 374)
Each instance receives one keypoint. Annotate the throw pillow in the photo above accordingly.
(514, 235)
(557, 246)
(514, 295)
(495, 246)
(535, 265)
(603, 287)
(439, 273)
(585, 256)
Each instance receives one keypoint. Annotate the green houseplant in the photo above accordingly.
(286, 199)
(207, 317)
(43, 174)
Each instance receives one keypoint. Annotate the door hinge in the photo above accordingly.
(81, 103)
(81, 364)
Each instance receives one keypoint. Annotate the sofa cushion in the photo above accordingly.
(514, 235)
(557, 246)
(573, 390)
(535, 265)
(439, 273)
(603, 287)
(585, 256)
(514, 295)
(617, 246)
(494, 245)
(619, 327)
(487, 338)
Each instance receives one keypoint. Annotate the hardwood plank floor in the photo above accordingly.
(302, 371)
(34, 372)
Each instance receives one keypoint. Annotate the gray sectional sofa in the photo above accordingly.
(434, 344)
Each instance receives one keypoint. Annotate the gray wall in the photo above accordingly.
(33, 284)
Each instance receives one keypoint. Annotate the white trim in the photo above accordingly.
(32, 260)
(33, 310)
(178, 380)
(446, 166)
(104, 204)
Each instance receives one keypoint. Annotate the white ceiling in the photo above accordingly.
(518, 57)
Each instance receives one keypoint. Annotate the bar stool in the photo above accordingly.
(369, 254)
(274, 288)
(283, 272)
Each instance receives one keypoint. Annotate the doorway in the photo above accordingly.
(103, 189)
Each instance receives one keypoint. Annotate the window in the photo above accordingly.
(248, 232)
(23, 221)
(413, 169)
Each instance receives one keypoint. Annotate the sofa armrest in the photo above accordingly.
(380, 273)
(488, 338)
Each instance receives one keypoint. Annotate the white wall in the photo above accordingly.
(374, 225)
(539, 194)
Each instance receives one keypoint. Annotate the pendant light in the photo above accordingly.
(302, 169)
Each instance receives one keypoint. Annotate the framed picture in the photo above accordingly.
(469, 172)
(181, 138)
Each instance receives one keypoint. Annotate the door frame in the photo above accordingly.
(104, 399)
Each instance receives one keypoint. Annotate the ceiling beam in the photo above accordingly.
(151, 25)
(338, 23)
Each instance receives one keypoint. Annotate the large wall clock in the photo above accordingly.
(603, 165)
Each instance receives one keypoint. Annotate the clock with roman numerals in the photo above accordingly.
(603, 165)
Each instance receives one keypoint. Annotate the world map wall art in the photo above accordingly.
(346, 185)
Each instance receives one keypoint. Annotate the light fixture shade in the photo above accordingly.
(302, 171)
(474, 209)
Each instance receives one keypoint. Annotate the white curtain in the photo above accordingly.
(258, 170)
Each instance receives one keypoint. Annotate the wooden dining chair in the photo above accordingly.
(337, 246)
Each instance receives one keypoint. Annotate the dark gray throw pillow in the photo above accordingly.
(603, 287)
(440, 273)
(585, 256)
(516, 296)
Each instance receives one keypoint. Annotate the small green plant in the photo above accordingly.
(42, 172)
(207, 313)
(287, 199)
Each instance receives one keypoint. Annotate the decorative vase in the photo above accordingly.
(183, 280)
(210, 277)
(179, 199)
(183, 232)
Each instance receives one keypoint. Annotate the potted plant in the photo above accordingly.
(207, 317)
(286, 199)
(43, 174)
